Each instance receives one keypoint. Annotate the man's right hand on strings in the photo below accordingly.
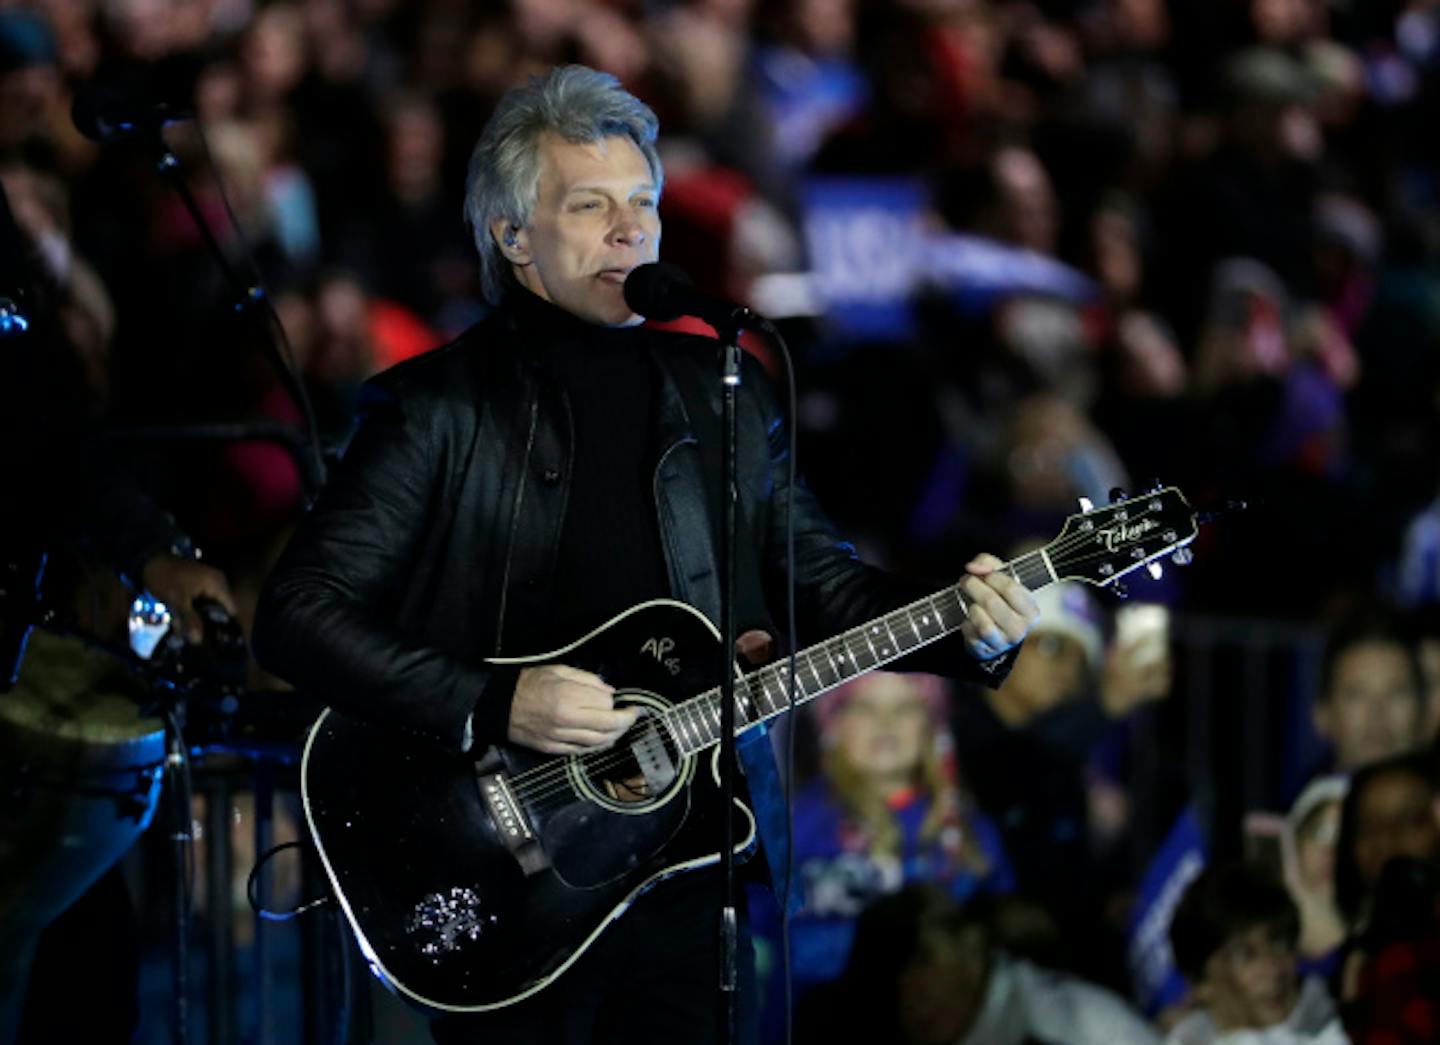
(566, 711)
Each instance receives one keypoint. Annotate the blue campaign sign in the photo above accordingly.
(1157, 983)
(978, 272)
(872, 246)
(866, 239)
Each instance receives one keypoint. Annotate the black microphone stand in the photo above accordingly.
(249, 302)
(729, 924)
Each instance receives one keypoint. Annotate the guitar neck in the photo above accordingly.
(762, 694)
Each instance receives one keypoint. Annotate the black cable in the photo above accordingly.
(177, 766)
(256, 296)
(252, 885)
(788, 769)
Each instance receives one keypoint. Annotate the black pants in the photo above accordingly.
(650, 979)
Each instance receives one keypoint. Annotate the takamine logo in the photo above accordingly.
(1114, 537)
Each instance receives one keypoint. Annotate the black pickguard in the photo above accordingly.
(446, 912)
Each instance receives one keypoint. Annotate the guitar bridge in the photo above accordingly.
(510, 823)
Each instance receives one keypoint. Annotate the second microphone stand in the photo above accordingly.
(729, 924)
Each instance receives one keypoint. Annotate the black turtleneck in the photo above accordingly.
(610, 555)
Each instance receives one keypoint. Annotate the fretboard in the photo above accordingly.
(763, 694)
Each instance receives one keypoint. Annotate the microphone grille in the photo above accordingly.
(650, 290)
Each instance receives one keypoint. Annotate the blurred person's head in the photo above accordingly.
(415, 148)
(1054, 454)
(822, 28)
(1117, 257)
(1049, 337)
(219, 92)
(1344, 256)
(274, 51)
(1390, 811)
(884, 740)
(1234, 936)
(1371, 703)
(149, 30)
(1058, 657)
(344, 350)
(1339, 75)
(1283, 23)
(341, 27)
(1271, 100)
(1314, 821)
(919, 968)
(489, 58)
(879, 728)
(1026, 209)
(1138, 25)
(563, 192)
(1243, 336)
(29, 77)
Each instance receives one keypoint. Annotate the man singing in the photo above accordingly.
(554, 466)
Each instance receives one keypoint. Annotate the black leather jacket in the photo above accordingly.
(434, 544)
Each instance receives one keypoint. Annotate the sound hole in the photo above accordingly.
(640, 767)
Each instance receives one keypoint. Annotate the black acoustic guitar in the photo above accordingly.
(471, 883)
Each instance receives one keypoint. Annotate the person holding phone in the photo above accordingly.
(1029, 751)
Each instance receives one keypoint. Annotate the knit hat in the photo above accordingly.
(1067, 609)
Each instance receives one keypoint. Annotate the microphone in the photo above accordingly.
(661, 291)
(112, 112)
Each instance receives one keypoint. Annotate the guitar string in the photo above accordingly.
(525, 784)
(531, 784)
(537, 784)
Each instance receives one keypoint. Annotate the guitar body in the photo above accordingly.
(471, 884)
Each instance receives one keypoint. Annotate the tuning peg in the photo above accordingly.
(1182, 557)
(1156, 570)
(1087, 505)
(1117, 494)
(1121, 592)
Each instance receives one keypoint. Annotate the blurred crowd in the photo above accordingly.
(1234, 209)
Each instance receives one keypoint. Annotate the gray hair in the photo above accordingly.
(576, 103)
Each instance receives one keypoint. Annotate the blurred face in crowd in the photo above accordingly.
(824, 27)
(1394, 816)
(1027, 200)
(1251, 980)
(1372, 709)
(882, 729)
(1049, 669)
(595, 219)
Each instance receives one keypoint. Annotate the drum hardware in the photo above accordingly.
(79, 789)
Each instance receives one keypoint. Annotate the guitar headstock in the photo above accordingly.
(1101, 545)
